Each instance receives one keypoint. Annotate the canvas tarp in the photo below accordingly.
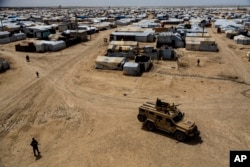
(241, 39)
(111, 63)
(43, 46)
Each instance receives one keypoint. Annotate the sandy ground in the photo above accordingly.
(82, 116)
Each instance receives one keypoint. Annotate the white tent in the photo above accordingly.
(241, 39)
(43, 46)
(131, 68)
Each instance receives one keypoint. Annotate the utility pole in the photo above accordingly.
(203, 23)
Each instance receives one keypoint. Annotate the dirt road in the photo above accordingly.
(87, 117)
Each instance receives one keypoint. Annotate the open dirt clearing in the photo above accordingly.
(87, 117)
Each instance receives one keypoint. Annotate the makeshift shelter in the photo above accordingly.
(193, 45)
(148, 49)
(39, 31)
(166, 53)
(144, 61)
(204, 35)
(201, 44)
(231, 34)
(19, 36)
(6, 37)
(131, 68)
(104, 25)
(172, 21)
(222, 23)
(110, 63)
(146, 36)
(241, 39)
(79, 34)
(122, 51)
(43, 46)
(4, 34)
(11, 27)
(125, 49)
(170, 39)
(123, 22)
(133, 44)
(4, 65)
(55, 37)
(150, 52)
(67, 26)
(25, 47)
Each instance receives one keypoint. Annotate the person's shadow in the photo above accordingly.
(39, 156)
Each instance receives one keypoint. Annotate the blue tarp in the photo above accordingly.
(82, 17)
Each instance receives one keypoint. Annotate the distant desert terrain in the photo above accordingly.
(83, 116)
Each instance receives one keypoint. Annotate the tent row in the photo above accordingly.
(241, 39)
(201, 44)
(6, 37)
(41, 46)
(134, 68)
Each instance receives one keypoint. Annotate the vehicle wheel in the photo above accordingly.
(150, 126)
(141, 117)
(180, 136)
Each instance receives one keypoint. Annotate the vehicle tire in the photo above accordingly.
(180, 136)
(141, 117)
(150, 126)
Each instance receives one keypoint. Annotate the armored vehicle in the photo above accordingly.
(168, 118)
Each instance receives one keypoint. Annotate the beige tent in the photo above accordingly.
(201, 44)
(109, 63)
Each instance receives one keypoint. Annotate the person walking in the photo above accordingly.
(34, 144)
(27, 58)
(198, 62)
(37, 74)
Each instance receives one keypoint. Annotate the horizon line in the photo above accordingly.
(122, 6)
